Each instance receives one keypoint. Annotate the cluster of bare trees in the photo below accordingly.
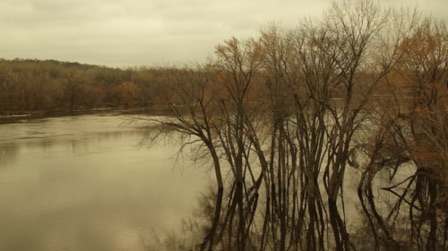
(49, 86)
(288, 119)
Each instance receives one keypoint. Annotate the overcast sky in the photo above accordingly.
(122, 33)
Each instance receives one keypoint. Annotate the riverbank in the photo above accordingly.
(15, 117)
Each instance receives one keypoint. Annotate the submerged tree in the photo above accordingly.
(283, 118)
(416, 140)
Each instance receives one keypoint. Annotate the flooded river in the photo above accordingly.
(83, 183)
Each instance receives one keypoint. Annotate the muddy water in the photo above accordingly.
(83, 183)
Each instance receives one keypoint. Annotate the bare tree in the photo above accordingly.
(285, 117)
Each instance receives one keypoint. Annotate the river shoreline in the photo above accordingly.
(16, 117)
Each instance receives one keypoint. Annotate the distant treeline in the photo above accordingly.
(51, 86)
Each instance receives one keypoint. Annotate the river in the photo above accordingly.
(84, 183)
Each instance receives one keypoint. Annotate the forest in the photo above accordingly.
(332, 135)
(47, 87)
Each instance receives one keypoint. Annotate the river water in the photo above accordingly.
(83, 183)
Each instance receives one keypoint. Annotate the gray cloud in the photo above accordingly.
(140, 32)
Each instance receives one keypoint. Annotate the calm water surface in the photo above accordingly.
(82, 183)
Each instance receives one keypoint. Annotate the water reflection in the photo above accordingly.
(8, 153)
(82, 183)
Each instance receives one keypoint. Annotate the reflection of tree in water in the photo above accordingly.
(284, 117)
(8, 153)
